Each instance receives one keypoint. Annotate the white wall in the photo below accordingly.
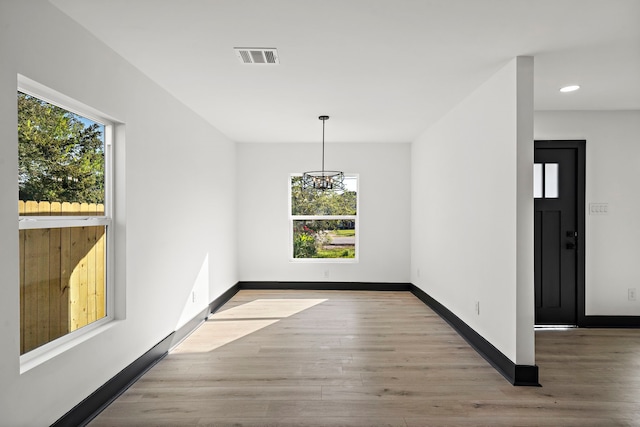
(263, 227)
(175, 204)
(472, 211)
(613, 177)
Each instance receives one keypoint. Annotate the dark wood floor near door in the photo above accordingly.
(327, 358)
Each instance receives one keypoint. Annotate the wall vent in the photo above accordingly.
(257, 55)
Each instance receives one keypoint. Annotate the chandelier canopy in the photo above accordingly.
(323, 179)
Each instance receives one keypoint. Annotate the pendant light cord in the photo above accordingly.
(323, 147)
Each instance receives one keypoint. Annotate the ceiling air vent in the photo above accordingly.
(257, 55)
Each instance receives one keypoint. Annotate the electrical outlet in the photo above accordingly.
(478, 308)
(632, 294)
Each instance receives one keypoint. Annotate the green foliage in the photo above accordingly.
(336, 253)
(316, 202)
(304, 245)
(312, 239)
(60, 158)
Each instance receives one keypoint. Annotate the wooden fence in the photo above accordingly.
(62, 274)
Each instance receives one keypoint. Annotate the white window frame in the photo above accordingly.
(355, 217)
(46, 351)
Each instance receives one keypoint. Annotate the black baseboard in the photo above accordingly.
(520, 375)
(610, 322)
(328, 286)
(97, 401)
(222, 299)
(189, 327)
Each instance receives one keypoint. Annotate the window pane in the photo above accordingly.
(316, 202)
(61, 160)
(537, 180)
(324, 239)
(551, 180)
(62, 282)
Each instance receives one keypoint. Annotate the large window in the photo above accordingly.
(324, 224)
(64, 207)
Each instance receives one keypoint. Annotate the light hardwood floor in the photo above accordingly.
(326, 358)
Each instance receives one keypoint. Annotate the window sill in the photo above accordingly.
(324, 260)
(48, 351)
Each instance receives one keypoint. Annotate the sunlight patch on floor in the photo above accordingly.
(267, 309)
(238, 322)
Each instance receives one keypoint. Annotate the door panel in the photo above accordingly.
(555, 237)
(551, 259)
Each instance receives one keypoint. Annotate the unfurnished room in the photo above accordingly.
(339, 213)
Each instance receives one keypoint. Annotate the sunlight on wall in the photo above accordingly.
(230, 325)
(198, 297)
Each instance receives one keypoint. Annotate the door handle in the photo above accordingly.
(574, 243)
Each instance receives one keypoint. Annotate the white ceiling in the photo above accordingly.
(384, 70)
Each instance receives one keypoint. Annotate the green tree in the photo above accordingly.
(61, 159)
(317, 202)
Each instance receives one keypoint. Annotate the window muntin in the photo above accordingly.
(324, 224)
(65, 218)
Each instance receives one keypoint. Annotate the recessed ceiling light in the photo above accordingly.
(570, 88)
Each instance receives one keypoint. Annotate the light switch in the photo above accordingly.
(598, 208)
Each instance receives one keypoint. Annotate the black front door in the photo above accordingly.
(556, 234)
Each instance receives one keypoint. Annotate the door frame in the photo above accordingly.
(580, 147)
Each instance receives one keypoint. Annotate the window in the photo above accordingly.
(324, 224)
(545, 180)
(64, 167)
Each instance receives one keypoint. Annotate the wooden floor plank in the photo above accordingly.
(361, 358)
(306, 422)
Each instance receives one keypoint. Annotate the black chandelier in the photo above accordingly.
(323, 180)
